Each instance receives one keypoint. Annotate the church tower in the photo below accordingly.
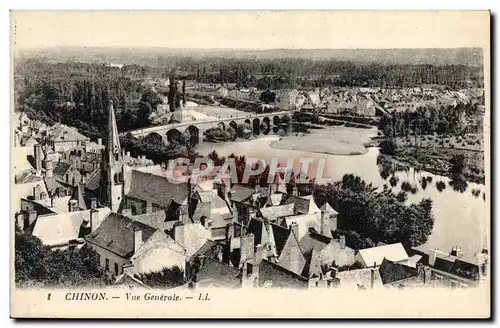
(112, 166)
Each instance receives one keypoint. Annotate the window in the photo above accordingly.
(134, 210)
(116, 268)
(107, 264)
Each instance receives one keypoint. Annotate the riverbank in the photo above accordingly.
(437, 161)
(330, 140)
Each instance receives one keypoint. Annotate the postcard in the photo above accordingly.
(250, 164)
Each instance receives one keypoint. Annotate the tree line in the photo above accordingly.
(294, 72)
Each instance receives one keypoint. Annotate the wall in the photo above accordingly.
(64, 146)
(113, 258)
(158, 257)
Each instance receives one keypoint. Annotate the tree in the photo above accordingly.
(369, 216)
(268, 97)
(387, 147)
(457, 164)
(38, 264)
(164, 278)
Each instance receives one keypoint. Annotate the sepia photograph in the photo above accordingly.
(196, 164)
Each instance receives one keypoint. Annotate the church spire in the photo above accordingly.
(113, 138)
(112, 174)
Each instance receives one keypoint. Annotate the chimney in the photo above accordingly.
(229, 231)
(93, 203)
(247, 248)
(333, 224)
(38, 157)
(227, 188)
(432, 257)
(128, 153)
(138, 239)
(324, 222)
(73, 205)
(342, 242)
(294, 227)
(427, 275)
(453, 251)
(20, 220)
(32, 215)
(372, 277)
(190, 192)
(295, 191)
(149, 207)
(184, 213)
(259, 253)
(235, 213)
(99, 141)
(179, 233)
(94, 217)
(36, 192)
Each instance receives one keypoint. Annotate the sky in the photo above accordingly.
(250, 29)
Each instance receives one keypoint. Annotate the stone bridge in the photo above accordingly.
(171, 132)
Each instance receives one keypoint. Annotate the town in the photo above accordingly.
(103, 204)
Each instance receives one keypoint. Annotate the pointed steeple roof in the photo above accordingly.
(113, 137)
(328, 209)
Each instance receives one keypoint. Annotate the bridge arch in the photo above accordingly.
(286, 122)
(153, 137)
(194, 134)
(276, 124)
(266, 125)
(256, 126)
(233, 125)
(247, 121)
(222, 126)
(173, 135)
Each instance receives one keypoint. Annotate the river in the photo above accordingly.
(461, 219)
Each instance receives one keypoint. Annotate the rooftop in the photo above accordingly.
(116, 234)
(156, 189)
(392, 252)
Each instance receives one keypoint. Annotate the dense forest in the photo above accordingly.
(429, 119)
(292, 73)
(78, 94)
